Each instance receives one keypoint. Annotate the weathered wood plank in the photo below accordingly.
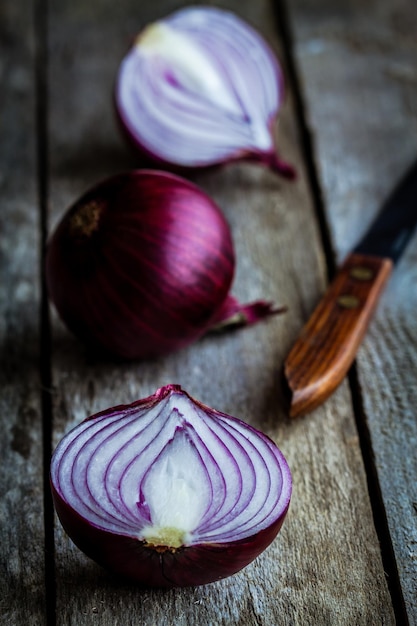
(21, 477)
(358, 65)
(325, 566)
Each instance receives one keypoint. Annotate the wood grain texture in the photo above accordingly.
(327, 345)
(325, 567)
(365, 56)
(390, 354)
(21, 479)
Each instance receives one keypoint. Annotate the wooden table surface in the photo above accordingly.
(347, 553)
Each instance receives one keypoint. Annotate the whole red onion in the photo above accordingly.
(201, 87)
(142, 264)
(168, 491)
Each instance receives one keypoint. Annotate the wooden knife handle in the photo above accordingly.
(326, 347)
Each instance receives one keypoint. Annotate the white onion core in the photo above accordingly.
(182, 59)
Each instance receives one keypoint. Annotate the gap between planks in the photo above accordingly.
(374, 490)
(377, 503)
(40, 16)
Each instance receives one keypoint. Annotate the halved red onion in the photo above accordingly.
(168, 491)
(199, 88)
(142, 265)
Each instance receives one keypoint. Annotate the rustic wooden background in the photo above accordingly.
(347, 553)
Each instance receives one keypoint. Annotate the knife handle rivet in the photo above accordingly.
(361, 273)
(347, 301)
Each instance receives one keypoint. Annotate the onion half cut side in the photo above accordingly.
(169, 492)
(199, 88)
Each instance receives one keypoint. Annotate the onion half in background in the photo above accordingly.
(199, 88)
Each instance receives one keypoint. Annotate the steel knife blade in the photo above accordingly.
(327, 345)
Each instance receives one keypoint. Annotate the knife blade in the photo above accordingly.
(327, 345)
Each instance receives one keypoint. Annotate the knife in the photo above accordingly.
(327, 345)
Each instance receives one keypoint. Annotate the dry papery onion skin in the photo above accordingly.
(200, 88)
(167, 492)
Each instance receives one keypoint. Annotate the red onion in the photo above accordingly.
(199, 88)
(169, 492)
(142, 264)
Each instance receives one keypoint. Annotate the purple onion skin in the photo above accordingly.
(156, 566)
(185, 567)
(140, 265)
